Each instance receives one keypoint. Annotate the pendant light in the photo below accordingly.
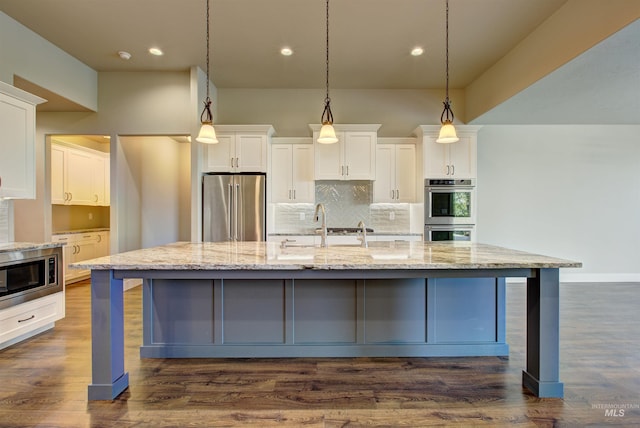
(327, 133)
(207, 134)
(447, 132)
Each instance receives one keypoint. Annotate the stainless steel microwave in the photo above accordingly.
(29, 274)
(449, 201)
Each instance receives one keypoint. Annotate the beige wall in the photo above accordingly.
(290, 111)
(26, 54)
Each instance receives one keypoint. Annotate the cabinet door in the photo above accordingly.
(462, 158)
(17, 140)
(385, 185)
(58, 167)
(329, 159)
(303, 185)
(107, 181)
(102, 244)
(251, 153)
(99, 180)
(221, 156)
(281, 173)
(436, 158)
(405, 172)
(360, 155)
(79, 177)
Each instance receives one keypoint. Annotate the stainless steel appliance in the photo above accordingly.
(448, 201)
(449, 233)
(233, 207)
(29, 274)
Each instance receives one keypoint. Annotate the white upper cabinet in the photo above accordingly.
(240, 148)
(395, 170)
(455, 160)
(17, 142)
(353, 157)
(291, 173)
(79, 176)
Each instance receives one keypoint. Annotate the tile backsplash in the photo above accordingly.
(346, 203)
(4, 221)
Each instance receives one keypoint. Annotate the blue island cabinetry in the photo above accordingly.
(324, 317)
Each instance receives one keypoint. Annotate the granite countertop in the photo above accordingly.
(8, 247)
(67, 232)
(269, 256)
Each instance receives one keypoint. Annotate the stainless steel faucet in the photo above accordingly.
(363, 238)
(323, 232)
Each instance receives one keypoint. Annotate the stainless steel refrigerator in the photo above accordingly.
(233, 207)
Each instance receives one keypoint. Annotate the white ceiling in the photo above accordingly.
(370, 42)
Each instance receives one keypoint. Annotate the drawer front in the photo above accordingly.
(22, 318)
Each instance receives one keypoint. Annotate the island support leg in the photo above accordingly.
(107, 337)
(543, 335)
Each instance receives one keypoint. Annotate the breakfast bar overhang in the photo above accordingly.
(242, 299)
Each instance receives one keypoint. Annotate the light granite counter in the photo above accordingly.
(257, 299)
(10, 247)
(270, 256)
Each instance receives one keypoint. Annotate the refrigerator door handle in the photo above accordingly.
(235, 201)
(230, 213)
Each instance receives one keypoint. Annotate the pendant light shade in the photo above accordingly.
(327, 133)
(448, 131)
(207, 134)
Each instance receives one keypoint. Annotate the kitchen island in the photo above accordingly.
(257, 299)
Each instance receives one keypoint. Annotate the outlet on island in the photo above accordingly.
(301, 216)
(90, 216)
(392, 215)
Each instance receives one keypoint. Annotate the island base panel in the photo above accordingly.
(108, 391)
(404, 317)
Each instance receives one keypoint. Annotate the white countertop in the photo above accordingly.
(269, 256)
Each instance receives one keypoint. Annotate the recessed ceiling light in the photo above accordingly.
(156, 51)
(417, 51)
(286, 51)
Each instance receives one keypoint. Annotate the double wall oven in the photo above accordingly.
(449, 209)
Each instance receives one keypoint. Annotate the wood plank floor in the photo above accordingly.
(43, 381)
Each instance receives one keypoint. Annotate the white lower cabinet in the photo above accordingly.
(79, 247)
(30, 318)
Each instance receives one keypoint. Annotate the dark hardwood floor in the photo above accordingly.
(43, 381)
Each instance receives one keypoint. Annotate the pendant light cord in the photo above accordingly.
(327, 51)
(327, 115)
(447, 104)
(208, 49)
(447, 47)
(207, 116)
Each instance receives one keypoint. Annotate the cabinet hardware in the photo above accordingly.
(453, 170)
(289, 193)
(96, 198)
(393, 194)
(99, 239)
(398, 194)
(237, 162)
(347, 170)
(27, 319)
(342, 170)
(294, 194)
(448, 169)
(231, 162)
